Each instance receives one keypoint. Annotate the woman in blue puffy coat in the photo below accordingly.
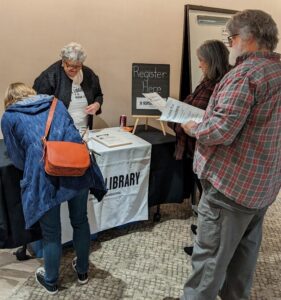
(23, 125)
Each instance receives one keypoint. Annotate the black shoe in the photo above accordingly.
(194, 228)
(82, 278)
(188, 250)
(40, 278)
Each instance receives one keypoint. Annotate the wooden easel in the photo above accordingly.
(146, 122)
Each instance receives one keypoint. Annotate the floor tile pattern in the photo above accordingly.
(141, 261)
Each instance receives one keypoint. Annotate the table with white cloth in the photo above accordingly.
(148, 182)
(125, 169)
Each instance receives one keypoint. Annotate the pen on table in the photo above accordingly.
(102, 134)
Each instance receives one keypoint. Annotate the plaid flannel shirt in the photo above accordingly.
(199, 98)
(239, 141)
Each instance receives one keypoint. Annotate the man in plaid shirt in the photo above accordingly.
(238, 159)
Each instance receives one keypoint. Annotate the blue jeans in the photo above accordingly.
(51, 231)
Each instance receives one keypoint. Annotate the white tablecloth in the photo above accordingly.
(126, 172)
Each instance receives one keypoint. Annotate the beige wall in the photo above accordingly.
(115, 34)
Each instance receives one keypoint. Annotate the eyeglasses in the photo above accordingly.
(75, 67)
(230, 39)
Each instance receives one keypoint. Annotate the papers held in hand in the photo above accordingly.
(174, 110)
(111, 139)
(156, 100)
(180, 112)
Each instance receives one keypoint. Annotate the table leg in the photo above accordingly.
(157, 215)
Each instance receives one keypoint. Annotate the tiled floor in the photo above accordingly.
(143, 261)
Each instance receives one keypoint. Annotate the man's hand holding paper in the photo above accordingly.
(189, 127)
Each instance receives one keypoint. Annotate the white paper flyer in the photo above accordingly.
(180, 112)
(156, 100)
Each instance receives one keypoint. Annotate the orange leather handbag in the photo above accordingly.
(64, 158)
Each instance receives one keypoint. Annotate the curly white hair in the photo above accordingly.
(74, 52)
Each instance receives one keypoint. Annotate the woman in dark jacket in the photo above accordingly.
(76, 85)
(213, 60)
(23, 125)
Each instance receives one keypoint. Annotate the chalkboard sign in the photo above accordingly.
(148, 78)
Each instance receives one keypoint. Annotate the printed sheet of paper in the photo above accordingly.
(111, 139)
(180, 112)
(156, 100)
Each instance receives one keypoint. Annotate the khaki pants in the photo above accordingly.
(225, 251)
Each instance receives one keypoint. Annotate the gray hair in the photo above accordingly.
(215, 54)
(74, 52)
(256, 24)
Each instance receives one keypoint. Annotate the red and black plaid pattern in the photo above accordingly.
(199, 98)
(239, 141)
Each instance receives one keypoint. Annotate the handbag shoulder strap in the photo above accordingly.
(50, 117)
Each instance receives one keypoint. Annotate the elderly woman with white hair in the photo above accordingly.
(74, 84)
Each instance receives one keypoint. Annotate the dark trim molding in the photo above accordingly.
(185, 80)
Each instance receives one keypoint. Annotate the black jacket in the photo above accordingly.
(54, 81)
(12, 225)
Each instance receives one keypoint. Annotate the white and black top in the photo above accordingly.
(54, 81)
(77, 106)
